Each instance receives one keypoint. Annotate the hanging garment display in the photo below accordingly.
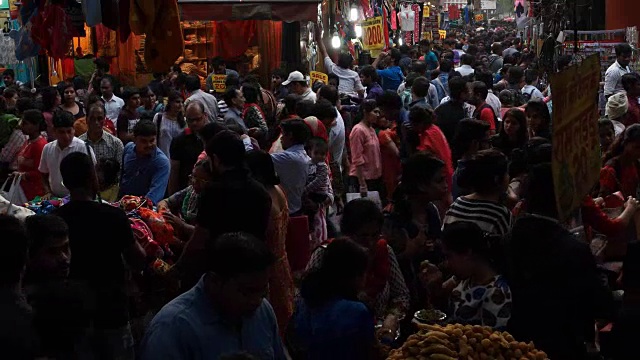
(25, 46)
(416, 23)
(92, 11)
(105, 41)
(52, 30)
(7, 51)
(407, 18)
(164, 44)
(74, 13)
(394, 21)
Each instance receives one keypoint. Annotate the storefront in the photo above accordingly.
(252, 36)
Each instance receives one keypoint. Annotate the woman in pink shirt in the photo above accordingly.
(366, 163)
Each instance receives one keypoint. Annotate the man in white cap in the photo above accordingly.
(297, 84)
(617, 108)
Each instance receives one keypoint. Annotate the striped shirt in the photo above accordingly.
(491, 217)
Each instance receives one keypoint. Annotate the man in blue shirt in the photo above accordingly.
(225, 313)
(292, 165)
(145, 168)
(392, 76)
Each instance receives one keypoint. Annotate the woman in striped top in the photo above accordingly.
(486, 174)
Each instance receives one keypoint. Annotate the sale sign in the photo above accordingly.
(576, 158)
(443, 34)
(479, 17)
(218, 82)
(373, 34)
(317, 75)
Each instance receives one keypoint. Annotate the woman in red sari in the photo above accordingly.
(385, 292)
(32, 124)
(622, 165)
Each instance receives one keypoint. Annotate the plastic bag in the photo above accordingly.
(15, 194)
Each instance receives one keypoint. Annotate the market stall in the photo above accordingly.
(248, 35)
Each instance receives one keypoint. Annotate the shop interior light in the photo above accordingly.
(358, 30)
(400, 41)
(335, 40)
(353, 14)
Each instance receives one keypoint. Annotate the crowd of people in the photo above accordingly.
(446, 150)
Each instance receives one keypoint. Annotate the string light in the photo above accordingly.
(335, 40)
(353, 14)
(358, 30)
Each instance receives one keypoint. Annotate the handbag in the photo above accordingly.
(15, 194)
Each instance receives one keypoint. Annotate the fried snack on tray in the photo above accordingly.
(464, 342)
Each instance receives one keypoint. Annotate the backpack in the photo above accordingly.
(527, 96)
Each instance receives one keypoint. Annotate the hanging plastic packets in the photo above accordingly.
(25, 46)
(7, 51)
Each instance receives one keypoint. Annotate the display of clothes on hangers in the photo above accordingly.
(409, 21)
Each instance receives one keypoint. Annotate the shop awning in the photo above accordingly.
(282, 10)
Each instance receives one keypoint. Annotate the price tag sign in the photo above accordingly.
(426, 11)
(479, 17)
(218, 82)
(373, 34)
(317, 75)
(443, 34)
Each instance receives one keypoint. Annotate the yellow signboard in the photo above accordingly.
(443, 34)
(317, 75)
(479, 17)
(218, 82)
(576, 147)
(373, 34)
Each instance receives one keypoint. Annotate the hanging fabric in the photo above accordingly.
(416, 23)
(407, 18)
(7, 50)
(92, 11)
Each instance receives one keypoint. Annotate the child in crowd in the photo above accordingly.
(607, 133)
(318, 192)
(108, 180)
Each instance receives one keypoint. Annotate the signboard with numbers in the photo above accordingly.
(373, 34)
(317, 75)
(443, 34)
(479, 17)
(218, 82)
(576, 158)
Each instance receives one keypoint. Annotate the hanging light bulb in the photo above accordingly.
(400, 41)
(335, 40)
(358, 30)
(353, 14)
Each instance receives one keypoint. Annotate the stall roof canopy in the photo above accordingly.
(282, 10)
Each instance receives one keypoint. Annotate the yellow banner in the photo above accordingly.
(426, 11)
(443, 34)
(373, 34)
(576, 145)
(317, 75)
(218, 82)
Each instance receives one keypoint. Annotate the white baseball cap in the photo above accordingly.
(294, 76)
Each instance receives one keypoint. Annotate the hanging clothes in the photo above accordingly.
(407, 18)
(416, 23)
(25, 46)
(74, 13)
(164, 42)
(52, 30)
(110, 13)
(105, 41)
(394, 21)
(92, 11)
(7, 51)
